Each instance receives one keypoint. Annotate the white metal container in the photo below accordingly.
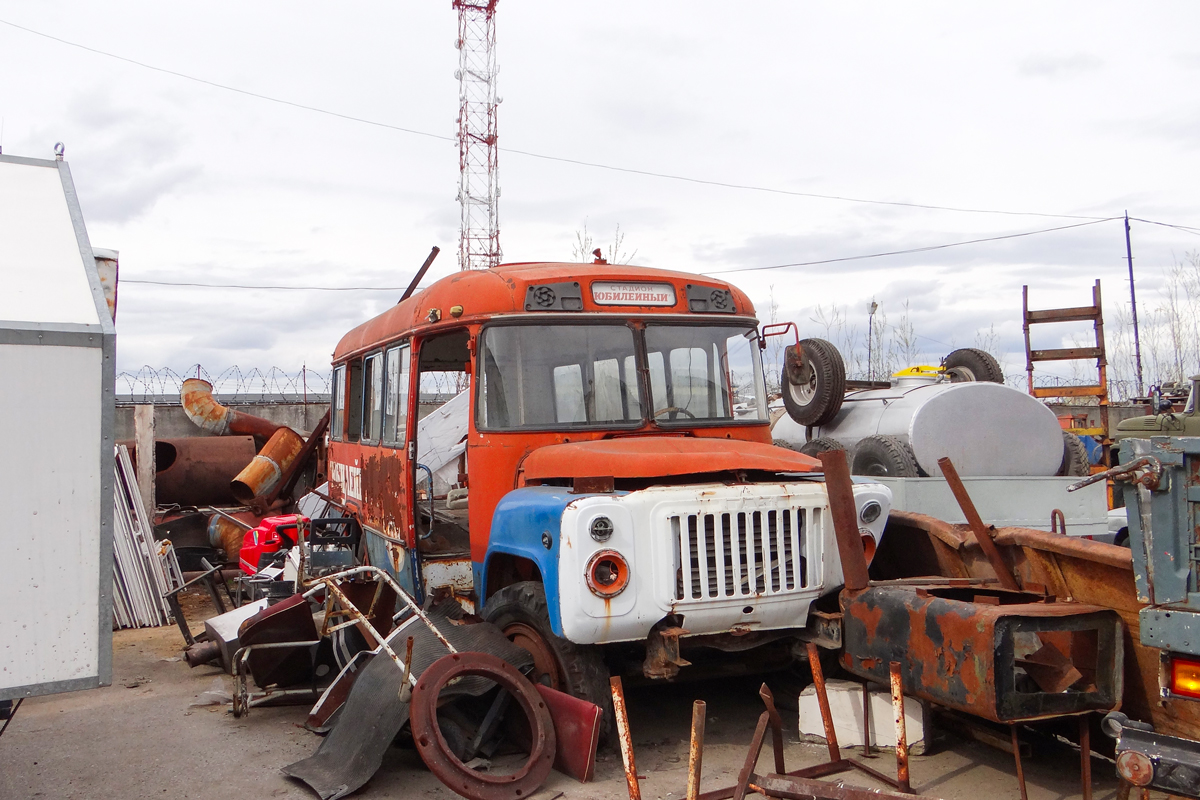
(57, 345)
(1020, 502)
(985, 428)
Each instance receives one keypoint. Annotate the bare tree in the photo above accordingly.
(585, 246)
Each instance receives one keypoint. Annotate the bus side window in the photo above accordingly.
(354, 405)
(395, 407)
(372, 397)
(337, 418)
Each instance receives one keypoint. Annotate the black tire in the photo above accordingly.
(581, 671)
(970, 364)
(822, 444)
(817, 397)
(884, 457)
(1122, 538)
(1075, 458)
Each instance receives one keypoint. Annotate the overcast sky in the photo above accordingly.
(1083, 109)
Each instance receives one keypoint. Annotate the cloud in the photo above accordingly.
(1052, 66)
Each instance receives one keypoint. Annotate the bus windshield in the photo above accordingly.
(705, 373)
(569, 375)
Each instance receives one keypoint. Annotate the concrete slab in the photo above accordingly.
(846, 706)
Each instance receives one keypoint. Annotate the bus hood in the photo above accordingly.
(660, 456)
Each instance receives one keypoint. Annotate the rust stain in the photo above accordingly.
(385, 502)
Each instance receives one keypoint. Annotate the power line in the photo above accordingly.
(925, 249)
(710, 272)
(543, 156)
(1184, 228)
(248, 286)
(226, 87)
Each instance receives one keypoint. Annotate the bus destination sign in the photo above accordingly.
(612, 293)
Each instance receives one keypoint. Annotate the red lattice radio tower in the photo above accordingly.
(478, 187)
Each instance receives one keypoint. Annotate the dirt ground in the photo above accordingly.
(142, 738)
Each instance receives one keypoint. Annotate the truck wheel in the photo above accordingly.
(970, 364)
(884, 457)
(1075, 458)
(822, 444)
(520, 611)
(817, 398)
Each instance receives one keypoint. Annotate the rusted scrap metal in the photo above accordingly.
(1144, 470)
(901, 728)
(626, 738)
(265, 472)
(449, 769)
(845, 519)
(203, 409)
(814, 662)
(768, 719)
(662, 653)
(696, 750)
(969, 655)
(982, 533)
(788, 787)
(782, 783)
(196, 471)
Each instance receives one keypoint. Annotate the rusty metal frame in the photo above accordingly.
(963, 655)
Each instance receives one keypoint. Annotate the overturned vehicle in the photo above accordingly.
(583, 480)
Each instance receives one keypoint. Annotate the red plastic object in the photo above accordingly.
(272, 535)
(577, 727)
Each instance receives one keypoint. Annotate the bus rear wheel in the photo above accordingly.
(520, 611)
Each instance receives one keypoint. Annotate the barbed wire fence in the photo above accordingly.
(232, 385)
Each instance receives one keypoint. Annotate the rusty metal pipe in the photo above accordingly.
(867, 720)
(1085, 756)
(622, 718)
(776, 726)
(982, 534)
(266, 471)
(696, 750)
(1016, 746)
(814, 663)
(901, 729)
(845, 519)
(203, 409)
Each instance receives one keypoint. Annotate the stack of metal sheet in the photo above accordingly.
(143, 570)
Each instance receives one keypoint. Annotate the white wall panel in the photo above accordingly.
(42, 280)
(50, 537)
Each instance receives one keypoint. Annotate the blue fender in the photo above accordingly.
(521, 519)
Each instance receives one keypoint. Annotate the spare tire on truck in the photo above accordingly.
(813, 389)
(971, 364)
(884, 457)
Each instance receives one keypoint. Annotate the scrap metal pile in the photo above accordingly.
(1013, 626)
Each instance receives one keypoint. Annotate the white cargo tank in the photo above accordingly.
(985, 428)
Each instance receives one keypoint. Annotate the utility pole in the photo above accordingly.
(871, 336)
(1137, 341)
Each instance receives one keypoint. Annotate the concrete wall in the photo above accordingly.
(171, 423)
(1116, 414)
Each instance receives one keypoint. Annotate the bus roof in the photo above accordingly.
(535, 287)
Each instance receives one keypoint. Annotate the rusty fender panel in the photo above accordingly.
(967, 655)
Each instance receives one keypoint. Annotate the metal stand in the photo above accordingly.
(210, 582)
(798, 784)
